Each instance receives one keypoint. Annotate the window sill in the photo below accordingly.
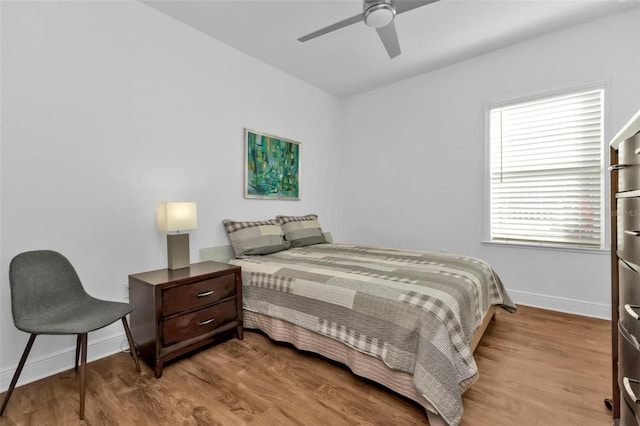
(541, 246)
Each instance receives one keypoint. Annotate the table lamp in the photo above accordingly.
(177, 217)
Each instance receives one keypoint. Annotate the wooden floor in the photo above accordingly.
(536, 367)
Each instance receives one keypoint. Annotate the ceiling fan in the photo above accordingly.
(378, 14)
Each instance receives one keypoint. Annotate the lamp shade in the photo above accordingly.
(177, 216)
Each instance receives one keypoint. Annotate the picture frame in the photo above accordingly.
(271, 167)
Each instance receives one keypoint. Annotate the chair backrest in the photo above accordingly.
(42, 281)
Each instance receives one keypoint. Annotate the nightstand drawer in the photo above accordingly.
(193, 324)
(201, 293)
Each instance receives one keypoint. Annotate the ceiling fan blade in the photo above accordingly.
(407, 5)
(330, 28)
(389, 38)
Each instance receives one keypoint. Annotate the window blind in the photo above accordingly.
(546, 170)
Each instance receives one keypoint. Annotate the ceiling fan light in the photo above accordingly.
(379, 15)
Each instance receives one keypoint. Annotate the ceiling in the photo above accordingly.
(353, 60)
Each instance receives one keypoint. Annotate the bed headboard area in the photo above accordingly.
(225, 253)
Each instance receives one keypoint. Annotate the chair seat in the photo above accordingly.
(77, 318)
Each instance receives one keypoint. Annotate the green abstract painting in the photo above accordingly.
(272, 167)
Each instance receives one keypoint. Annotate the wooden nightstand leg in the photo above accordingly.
(240, 332)
(158, 368)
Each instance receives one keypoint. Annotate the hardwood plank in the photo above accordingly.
(537, 367)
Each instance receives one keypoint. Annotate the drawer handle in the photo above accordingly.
(629, 265)
(630, 337)
(209, 321)
(210, 292)
(618, 167)
(632, 233)
(637, 151)
(630, 310)
(627, 387)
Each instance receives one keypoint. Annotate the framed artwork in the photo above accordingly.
(272, 167)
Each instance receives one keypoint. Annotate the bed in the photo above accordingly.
(408, 320)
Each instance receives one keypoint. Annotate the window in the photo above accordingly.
(546, 170)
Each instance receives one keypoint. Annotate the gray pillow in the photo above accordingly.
(302, 231)
(259, 237)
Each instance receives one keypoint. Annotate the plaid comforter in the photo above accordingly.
(416, 311)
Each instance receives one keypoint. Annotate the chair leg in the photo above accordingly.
(16, 375)
(132, 347)
(83, 368)
(77, 352)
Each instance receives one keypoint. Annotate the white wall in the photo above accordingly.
(111, 107)
(415, 155)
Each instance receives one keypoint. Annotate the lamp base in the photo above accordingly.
(178, 251)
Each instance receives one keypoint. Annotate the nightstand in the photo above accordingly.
(178, 311)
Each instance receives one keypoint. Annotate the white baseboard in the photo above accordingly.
(48, 365)
(561, 304)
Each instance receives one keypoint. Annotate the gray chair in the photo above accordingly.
(47, 297)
